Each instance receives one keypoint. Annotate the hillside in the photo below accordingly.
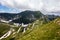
(32, 25)
(6, 30)
(3, 28)
(50, 31)
(39, 31)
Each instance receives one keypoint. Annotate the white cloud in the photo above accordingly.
(51, 5)
(23, 4)
(47, 5)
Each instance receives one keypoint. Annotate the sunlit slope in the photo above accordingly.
(3, 28)
(6, 30)
(50, 31)
(39, 30)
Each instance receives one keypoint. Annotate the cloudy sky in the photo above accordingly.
(21, 5)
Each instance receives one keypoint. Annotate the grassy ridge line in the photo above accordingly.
(49, 31)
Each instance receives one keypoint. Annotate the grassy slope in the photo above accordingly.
(3, 29)
(50, 31)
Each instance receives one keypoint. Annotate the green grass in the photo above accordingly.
(3, 29)
(50, 31)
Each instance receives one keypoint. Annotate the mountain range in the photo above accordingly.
(26, 16)
(34, 26)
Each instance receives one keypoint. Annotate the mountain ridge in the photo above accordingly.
(26, 16)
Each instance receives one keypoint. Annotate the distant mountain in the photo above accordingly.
(26, 17)
(7, 16)
(45, 25)
(30, 16)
